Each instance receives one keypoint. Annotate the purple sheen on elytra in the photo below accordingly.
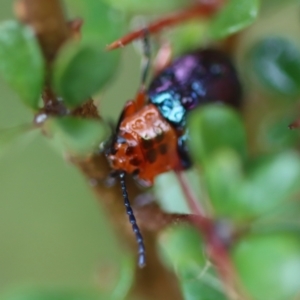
(201, 77)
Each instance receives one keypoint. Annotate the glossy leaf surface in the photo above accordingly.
(215, 127)
(271, 181)
(80, 136)
(242, 192)
(102, 23)
(269, 265)
(80, 71)
(21, 61)
(223, 175)
(183, 249)
(233, 17)
(84, 68)
(276, 63)
(155, 6)
(275, 133)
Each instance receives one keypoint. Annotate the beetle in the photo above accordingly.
(150, 136)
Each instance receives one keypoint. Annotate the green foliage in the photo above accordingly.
(187, 36)
(82, 68)
(170, 200)
(155, 6)
(274, 134)
(183, 250)
(79, 136)
(125, 280)
(276, 63)
(235, 16)
(271, 180)
(80, 71)
(269, 265)
(239, 187)
(223, 176)
(246, 189)
(214, 127)
(21, 61)
(102, 23)
(55, 294)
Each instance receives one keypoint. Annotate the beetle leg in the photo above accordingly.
(204, 9)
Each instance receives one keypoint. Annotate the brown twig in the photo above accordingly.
(48, 20)
(154, 281)
(204, 9)
(215, 245)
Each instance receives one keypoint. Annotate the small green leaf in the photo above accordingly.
(154, 6)
(212, 128)
(187, 36)
(235, 16)
(80, 136)
(241, 194)
(21, 61)
(269, 265)
(80, 70)
(209, 288)
(223, 174)
(276, 63)
(102, 23)
(183, 250)
(171, 200)
(55, 294)
(126, 278)
(271, 181)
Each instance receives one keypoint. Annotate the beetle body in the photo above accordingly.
(197, 78)
(151, 136)
(148, 145)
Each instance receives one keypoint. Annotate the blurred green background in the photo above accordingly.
(52, 230)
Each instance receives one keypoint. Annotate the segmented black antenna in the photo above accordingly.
(135, 228)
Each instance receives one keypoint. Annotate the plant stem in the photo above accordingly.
(202, 9)
(216, 248)
(154, 281)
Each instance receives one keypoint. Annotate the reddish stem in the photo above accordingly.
(194, 204)
(204, 9)
(215, 246)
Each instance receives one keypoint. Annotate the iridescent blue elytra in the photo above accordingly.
(196, 78)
